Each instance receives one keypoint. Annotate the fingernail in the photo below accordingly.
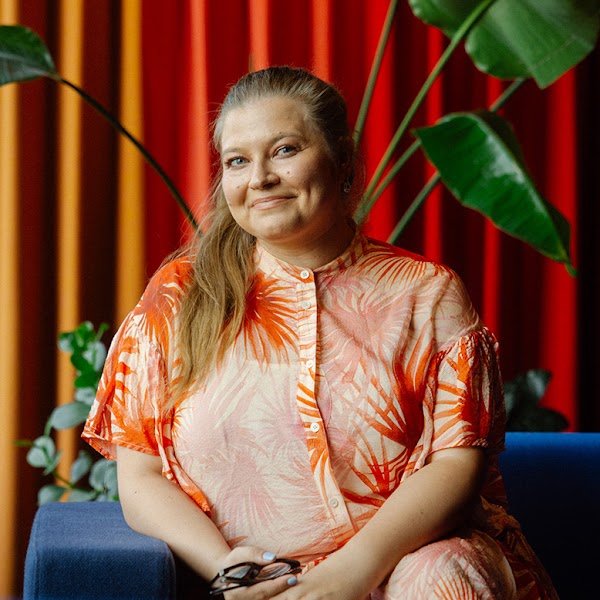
(292, 581)
(268, 556)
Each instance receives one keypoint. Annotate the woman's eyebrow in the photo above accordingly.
(273, 140)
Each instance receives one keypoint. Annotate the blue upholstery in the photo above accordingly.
(86, 551)
(553, 486)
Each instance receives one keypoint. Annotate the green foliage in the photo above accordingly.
(522, 396)
(510, 39)
(88, 354)
(23, 55)
(520, 38)
(499, 185)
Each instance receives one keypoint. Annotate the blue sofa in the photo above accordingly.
(86, 550)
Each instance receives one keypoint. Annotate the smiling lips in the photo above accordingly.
(269, 202)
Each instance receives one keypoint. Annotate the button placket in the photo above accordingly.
(316, 437)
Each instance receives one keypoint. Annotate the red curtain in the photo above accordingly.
(527, 300)
(191, 52)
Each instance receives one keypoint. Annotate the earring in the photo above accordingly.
(347, 186)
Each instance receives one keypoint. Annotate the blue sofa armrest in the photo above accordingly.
(86, 550)
(553, 486)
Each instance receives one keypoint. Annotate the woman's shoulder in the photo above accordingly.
(166, 287)
(399, 265)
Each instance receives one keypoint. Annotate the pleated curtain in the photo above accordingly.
(84, 221)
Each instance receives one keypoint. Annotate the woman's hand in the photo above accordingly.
(331, 580)
(259, 591)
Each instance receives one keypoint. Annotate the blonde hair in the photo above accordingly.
(213, 308)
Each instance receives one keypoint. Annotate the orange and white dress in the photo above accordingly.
(341, 383)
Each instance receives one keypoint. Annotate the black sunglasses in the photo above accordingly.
(249, 573)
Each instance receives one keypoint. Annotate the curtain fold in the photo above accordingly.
(84, 221)
(10, 315)
(130, 273)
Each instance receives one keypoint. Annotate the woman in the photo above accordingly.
(294, 389)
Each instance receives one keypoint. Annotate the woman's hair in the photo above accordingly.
(213, 308)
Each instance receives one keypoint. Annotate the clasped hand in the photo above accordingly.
(326, 581)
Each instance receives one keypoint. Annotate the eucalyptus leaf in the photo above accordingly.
(50, 493)
(53, 463)
(80, 467)
(42, 452)
(480, 161)
(85, 395)
(95, 354)
(66, 342)
(84, 333)
(99, 473)
(82, 495)
(520, 38)
(88, 378)
(36, 457)
(110, 480)
(23, 55)
(80, 362)
(69, 415)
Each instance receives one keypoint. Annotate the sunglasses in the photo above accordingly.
(249, 573)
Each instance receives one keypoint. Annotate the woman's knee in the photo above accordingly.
(469, 567)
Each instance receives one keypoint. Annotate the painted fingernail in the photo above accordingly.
(268, 556)
(292, 581)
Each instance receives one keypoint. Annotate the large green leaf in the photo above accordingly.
(521, 38)
(480, 161)
(23, 55)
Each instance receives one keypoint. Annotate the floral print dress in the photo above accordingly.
(341, 383)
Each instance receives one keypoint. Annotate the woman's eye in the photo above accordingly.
(236, 161)
(286, 150)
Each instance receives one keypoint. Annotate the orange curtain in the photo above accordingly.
(84, 221)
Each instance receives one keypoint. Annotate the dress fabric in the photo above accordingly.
(341, 383)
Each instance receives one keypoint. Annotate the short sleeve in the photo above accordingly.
(468, 404)
(126, 411)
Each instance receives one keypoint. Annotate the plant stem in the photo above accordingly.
(458, 37)
(366, 100)
(413, 208)
(151, 160)
(435, 179)
(370, 201)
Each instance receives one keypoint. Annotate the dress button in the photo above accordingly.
(305, 304)
(310, 364)
(315, 427)
(334, 502)
(304, 274)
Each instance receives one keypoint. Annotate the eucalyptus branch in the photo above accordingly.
(151, 160)
(458, 37)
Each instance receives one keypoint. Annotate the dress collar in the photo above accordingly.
(275, 267)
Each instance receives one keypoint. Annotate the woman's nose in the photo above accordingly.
(263, 175)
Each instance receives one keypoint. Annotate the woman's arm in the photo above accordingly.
(427, 505)
(155, 506)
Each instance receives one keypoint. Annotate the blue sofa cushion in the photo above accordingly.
(553, 486)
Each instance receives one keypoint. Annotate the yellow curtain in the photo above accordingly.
(9, 314)
(64, 125)
(130, 209)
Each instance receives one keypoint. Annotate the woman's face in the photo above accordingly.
(279, 180)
